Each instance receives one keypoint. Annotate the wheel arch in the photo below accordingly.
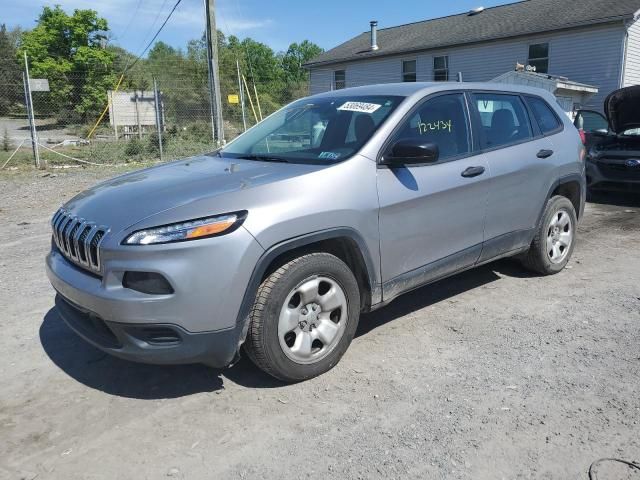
(345, 243)
(571, 186)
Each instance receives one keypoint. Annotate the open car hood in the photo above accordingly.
(622, 109)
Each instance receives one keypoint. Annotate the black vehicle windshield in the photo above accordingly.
(324, 130)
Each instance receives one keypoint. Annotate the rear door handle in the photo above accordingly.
(545, 153)
(472, 172)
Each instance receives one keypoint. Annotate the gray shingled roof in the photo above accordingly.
(515, 19)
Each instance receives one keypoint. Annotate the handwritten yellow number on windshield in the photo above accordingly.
(444, 125)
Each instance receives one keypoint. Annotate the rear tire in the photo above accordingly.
(304, 317)
(554, 241)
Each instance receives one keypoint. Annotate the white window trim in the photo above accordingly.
(434, 69)
(344, 81)
(548, 57)
(402, 60)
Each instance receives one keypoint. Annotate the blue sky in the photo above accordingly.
(274, 22)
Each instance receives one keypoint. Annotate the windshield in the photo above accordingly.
(324, 130)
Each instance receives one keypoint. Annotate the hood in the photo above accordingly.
(621, 109)
(126, 200)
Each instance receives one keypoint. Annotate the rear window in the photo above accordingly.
(542, 112)
(504, 119)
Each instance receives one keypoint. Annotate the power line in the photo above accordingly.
(156, 35)
(128, 66)
(155, 20)
(133, 17)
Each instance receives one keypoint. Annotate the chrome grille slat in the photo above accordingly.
(61, 229)
(87, 244)
(73, 246)
(56, 225)
(78, 240)
(57, 229)
(55, 218)
(66, 233)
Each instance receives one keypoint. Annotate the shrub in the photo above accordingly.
(134, 148)
(153, 145)
(6, 141)
(199, 131)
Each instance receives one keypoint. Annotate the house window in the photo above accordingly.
(339, 81)
(441, 69)
(539, 57)
(409, 71)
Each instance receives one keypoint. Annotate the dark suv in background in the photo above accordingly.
(613, 142)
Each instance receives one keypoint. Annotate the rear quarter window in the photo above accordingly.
(547, 120)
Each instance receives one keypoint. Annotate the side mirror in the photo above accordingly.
(411, 151)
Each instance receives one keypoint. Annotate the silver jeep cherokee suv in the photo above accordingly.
(332, 206)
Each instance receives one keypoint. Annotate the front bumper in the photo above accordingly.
(612, 175)
(197, 323)
(151, 343)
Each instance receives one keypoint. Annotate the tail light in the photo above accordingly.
(583, 136)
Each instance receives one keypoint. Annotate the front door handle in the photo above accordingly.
(472, 172)
(545, 153)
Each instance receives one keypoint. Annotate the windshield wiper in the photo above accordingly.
(264, 158)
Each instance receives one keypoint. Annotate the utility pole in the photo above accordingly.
(215, 99)
(28, 100)
(158, 103)
(244, 118)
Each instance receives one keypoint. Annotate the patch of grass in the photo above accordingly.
(110, 153)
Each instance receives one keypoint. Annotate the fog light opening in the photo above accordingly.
(147, 282)
(156, 335)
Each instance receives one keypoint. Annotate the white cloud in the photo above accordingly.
(125, 21)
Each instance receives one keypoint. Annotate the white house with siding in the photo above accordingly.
(595, 42)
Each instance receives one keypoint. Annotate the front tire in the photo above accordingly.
(304, 317)
(554, 241)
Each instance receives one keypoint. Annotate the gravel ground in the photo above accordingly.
(491, 374)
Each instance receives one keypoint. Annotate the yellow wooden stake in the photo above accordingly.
(255, 90)
(250, 100)
(104, 112)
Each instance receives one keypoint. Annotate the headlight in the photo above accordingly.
(191, 230)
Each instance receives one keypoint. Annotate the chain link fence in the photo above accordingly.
(159, 115)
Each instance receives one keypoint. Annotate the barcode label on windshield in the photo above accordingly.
(359, 107)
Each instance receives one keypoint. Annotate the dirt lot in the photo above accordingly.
(491, 374)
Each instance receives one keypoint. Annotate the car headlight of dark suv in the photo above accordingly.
(188, 230)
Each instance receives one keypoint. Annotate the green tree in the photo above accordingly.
(10, 73)
(295, 57)
(296, 76)
(69, 50)
(136, 77)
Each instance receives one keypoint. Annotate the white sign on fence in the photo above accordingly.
(39, 84)
(132, 108)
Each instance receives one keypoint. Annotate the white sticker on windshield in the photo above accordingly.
(329, 155)
(360, 107)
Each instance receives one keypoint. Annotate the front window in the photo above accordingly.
(441, 69)
(323, 130)
(442, 121)
(339, 80)
(539, 57)
(409, 71)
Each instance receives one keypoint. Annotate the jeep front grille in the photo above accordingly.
(78, 240)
